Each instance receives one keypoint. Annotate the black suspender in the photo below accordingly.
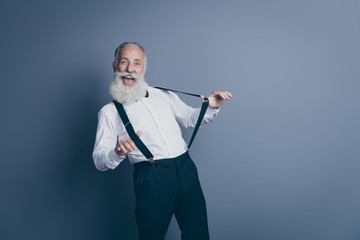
(139, 144)
(130, 130)
(204, 106)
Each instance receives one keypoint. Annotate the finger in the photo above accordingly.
(123, 149)
(226, 95)
(126, 143)
(128, 146)
(133, 146)
(222, 96)
(125, 140)
(202, 97)
(215, 93)
(138, 133)
(118, 148)
(118, 151)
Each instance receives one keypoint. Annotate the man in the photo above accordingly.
(170, 184)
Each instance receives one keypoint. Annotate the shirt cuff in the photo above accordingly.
(213, 110)
(114, 159)
(210, 114)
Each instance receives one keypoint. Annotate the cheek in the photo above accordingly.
(140, 70)
(122, 68)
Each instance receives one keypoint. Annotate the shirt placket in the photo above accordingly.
(158, 126)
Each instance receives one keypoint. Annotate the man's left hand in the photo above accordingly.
(217, 98)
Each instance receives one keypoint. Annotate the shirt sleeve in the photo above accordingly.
(188, 116)
(104, 154)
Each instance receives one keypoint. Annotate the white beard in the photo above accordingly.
(128, 94)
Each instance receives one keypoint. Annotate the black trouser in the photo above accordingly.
(167, 187)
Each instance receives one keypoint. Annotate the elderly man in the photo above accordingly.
(169, 184)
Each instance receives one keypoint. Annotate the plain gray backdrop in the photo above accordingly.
(280, 162)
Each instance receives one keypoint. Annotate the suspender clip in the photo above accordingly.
(151, 160)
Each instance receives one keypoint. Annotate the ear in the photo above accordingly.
(145, 69)
(114, 66)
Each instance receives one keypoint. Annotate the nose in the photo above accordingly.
(130, 68)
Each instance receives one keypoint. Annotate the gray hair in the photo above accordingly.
(119, 48)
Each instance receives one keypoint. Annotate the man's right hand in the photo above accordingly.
(126, 145)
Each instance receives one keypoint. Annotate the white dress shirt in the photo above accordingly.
(157, 117)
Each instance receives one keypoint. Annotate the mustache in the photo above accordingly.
(127, 75)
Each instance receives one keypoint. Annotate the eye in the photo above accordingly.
(137, 63)
(123, 62)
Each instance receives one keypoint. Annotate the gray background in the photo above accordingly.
(280, 162)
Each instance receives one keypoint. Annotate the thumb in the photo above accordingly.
(138, 133)
(202, 97)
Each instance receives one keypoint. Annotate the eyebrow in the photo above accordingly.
(137, 59)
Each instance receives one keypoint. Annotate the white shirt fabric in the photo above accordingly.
(157, 117)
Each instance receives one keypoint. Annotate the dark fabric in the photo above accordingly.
(168, 89)
(204, 106)
(167, 187)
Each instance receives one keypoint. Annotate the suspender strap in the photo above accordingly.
(130, 130)
(168, 89)
(139, 144)
(204, 106)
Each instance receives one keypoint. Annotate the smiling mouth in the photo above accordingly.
(128, 80)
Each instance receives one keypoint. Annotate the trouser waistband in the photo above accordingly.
(183, 156)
